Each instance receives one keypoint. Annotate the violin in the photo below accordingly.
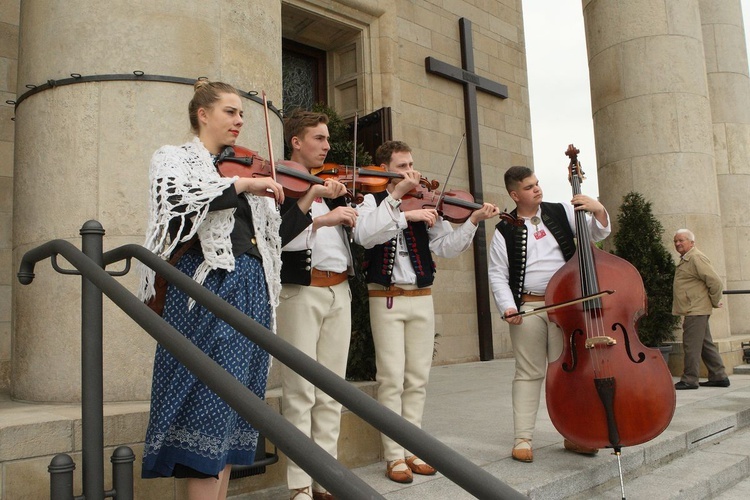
(455, 206)
(243, 162)
(370, 179)
(294, 178)
(606, 389)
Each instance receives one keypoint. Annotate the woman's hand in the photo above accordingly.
(260, 186)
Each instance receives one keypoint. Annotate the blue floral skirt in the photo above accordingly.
(189, 424)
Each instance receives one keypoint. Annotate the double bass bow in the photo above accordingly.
(606, 390)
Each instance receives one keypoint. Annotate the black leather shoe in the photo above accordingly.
(682, 385)
(715, 383)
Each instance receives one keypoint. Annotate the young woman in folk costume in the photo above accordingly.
(192, 433)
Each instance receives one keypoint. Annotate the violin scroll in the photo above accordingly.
(431, 185)
(511, 219)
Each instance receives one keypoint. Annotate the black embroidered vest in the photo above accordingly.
(554, 217)
(379, 260)
(296, 266)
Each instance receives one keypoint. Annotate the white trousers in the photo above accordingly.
(534, 341)
(317, 321)
(404, 338)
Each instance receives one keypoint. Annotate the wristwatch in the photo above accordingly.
(393, 202)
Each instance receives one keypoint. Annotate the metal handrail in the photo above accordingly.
(319, 464)
(138, 76)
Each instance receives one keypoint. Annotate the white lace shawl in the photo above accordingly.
(187, 175)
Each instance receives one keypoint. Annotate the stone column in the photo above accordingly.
(82, 152)
(729, 92)
(652, 116)
(9, 64)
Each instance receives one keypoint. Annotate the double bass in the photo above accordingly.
(606, 390)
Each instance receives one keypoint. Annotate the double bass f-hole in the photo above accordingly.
(641, 355)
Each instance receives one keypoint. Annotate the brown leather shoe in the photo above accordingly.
(421, 468)
(523, 454)
(322, 495)
(300, 493)
(576, 448)
(399, 476)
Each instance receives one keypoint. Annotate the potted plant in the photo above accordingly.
(639, 241)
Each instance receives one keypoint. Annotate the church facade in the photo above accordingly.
(93, 88)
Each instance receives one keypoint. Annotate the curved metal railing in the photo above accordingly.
(336, 478)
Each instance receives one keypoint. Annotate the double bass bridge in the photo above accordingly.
(602, 340)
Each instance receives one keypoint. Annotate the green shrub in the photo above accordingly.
(638, 241)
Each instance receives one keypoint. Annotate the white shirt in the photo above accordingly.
(543, 257)
(330, 251)
(377, 224)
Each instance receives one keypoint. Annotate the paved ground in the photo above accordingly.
(469, 409)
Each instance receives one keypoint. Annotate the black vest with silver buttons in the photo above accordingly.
(554, 217)
(380, 259)
(296, 266)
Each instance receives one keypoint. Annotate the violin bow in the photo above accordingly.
(450, 171)
(542, 309)
(268, 136)
(354, 162)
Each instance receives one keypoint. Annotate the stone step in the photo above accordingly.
(713, 469)
(31, 434)
(739, 491)
(469, 409)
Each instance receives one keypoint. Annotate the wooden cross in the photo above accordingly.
(473, 82)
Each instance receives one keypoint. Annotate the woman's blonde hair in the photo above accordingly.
(206, 94)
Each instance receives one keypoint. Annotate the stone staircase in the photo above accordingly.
(717, 469)
(31, 434)
(703, 454)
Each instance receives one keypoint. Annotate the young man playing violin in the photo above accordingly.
(523, 259)
(314, 312)
(400, 271)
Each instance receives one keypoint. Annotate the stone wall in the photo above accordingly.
(429, 116)
(9, 15)
(83, 151)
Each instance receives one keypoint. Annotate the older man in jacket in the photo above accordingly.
(696, 292)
